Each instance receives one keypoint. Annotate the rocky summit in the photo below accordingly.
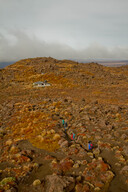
(49, 111)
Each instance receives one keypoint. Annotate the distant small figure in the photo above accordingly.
(63, 122)
(90, 145)
(73, 136)
(65, 125)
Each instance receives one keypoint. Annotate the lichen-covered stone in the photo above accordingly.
(36, 182)
(9, 142)
(7, 183)
(76, 165)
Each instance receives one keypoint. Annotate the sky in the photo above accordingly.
(64, 29)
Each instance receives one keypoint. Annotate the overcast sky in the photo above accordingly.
(63, 29)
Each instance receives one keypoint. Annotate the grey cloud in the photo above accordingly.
(63, 29)
(26, 47)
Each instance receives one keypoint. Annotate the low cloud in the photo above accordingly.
(19, 46)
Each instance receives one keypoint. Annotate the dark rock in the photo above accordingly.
(65, 100)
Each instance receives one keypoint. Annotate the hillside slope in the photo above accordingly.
(91, 98)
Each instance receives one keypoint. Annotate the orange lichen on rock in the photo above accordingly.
(28, 74)
(64, 165)
(58, 80)
(37, 127)
(98, 173)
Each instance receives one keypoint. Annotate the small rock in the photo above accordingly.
(56, 136)
(54, 161)
(97, 137)
(36, 182)
(97, 189)
(124, 136)
(93, 160)
(76, 165)
(35, 165)
(116, 134)
(40, 137)
(78, 179)
(84, 162)
(64, 144)
(61, 141)
(96, 151)
(117, 164)
(11, 190)
(124, 170)
(100, 158)
(14, 149)
(90, 154)
(78, 161)
(125, 149)
(9, 142)
(80, 172)
(72, 146)
(108, 136)
(52, 131)
(48, 157)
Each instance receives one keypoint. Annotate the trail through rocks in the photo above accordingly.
(35, 152)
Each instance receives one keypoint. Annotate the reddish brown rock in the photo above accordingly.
(82, 188)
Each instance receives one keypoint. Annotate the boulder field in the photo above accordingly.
(37, 152)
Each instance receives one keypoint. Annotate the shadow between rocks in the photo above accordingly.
(117, 184)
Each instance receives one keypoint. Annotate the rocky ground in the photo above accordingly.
(36, 152)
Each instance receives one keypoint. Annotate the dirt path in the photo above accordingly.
(117, 184)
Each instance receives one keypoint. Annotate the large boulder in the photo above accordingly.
(55, 183)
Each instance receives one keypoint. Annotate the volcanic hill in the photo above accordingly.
(36, 150)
